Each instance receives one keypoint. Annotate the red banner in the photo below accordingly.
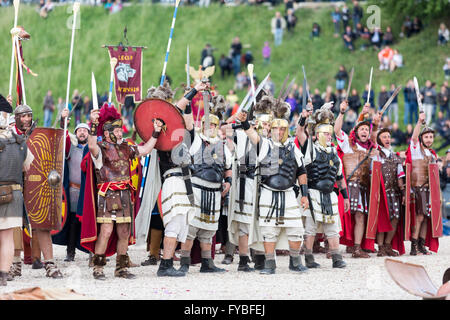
(128, 72)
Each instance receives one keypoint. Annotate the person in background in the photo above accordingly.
(348, 38)
(341, 78)
(266, 52)
(443, 100)
(49, 107)
(443, 35)
(278, 24)
(291, 20)
(315, 33)
(393, 108)
(336, 17)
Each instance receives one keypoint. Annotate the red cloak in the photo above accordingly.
(89, 226)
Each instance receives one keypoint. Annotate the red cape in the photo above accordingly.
(348, 220)
(384, 223)
(430, 242)
(89, 226)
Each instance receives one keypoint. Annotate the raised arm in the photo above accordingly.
(416, 132)
(340, 119)
(301, 126)
(251, 133)
(150, 144)
(92, 139)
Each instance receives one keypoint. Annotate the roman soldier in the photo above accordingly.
(324, 170)
(114, 211)
(356, 149)
(281, 166)
(392, 191)
(15, 158)
(241, 210)
(211, 180)
(177, 196)
(75, 144)
(420, 155)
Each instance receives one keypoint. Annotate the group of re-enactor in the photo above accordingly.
(282, 192)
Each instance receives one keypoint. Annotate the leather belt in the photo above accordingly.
(173, 174)
(14, 187)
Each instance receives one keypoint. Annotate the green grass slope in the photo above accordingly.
(47, 53)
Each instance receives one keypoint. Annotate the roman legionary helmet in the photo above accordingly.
(382, 130)
(425, 129)
(163, 92)
(108, 120)
(281, 112)
(262, 111)
(323, 122)
(217, 107)
(18, 112)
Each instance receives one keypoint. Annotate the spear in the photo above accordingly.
(20, 66)
(76, 8)
(16, 14)
(163, 77)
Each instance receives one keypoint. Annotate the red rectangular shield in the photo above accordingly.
(408, 203)
(435, 199)
(43, 201)
(374, 202)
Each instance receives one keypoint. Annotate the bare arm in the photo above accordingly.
(375, 122)
(340, 119)
(416, 132)
(342, 185)
(150, 144)
(92, 139)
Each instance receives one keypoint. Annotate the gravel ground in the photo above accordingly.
(364, 279)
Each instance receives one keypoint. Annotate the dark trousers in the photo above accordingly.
(74, 232)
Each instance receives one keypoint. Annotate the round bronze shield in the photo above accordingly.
(174, 127)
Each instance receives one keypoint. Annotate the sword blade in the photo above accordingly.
(349, 83)
(206, 110)
(188, 77)
(387, 104)
(305, 83)
(94, 92)
(417, 89)
(248, 104)
(370, 85)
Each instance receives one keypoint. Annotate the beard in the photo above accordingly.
(82, 141)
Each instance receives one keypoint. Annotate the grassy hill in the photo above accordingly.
(47, 53)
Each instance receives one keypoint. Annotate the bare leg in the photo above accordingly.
(359, 227)
(269, 247)
(309, 242)
(6, 249)
(243, 245)
(45, 243)
(170, 244)
(419, 220)
(390, 235)
(103, 238)
(123, 233)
